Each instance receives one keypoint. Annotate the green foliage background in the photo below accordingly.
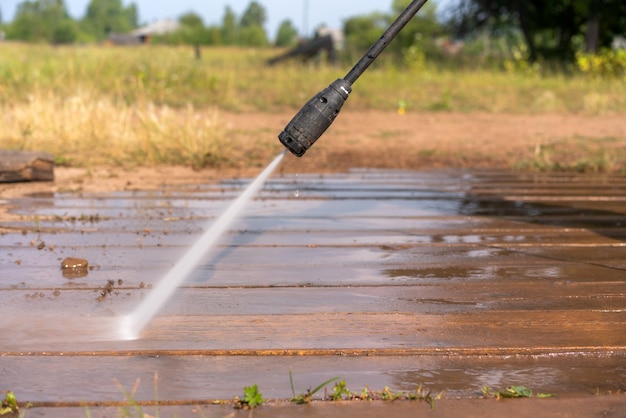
(528, 35)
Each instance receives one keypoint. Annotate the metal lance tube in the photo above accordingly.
(319, 113)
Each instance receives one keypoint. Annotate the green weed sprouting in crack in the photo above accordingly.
(307, 396)
(365, 395)
(420, 394)
(251, 398)
(388, 395)
(341, 391)
(514, 391)
(132, 408)
(9, 404)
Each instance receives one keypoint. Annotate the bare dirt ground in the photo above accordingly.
(377, 139)
(451, 140)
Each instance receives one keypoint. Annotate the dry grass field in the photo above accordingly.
(124, 108)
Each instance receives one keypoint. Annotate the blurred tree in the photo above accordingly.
(287, 34)
(251, 31)
(191, 20)
(552, 29)
(131, 15)
(66, 32)
(422, 31)
(229, 27)
(362, 31)
(213, 35)
(193, 32)
(104, 17)
(253, 36)
(254, 15)
(37, 21)
(605, 20)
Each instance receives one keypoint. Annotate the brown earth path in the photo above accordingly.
(377, 139)
(416, 141)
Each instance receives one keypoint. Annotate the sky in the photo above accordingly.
(305, 15)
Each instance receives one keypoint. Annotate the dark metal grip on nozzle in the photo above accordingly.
(315, 117)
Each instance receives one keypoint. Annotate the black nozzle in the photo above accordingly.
(314, 118)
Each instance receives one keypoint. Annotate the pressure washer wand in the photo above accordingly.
(319, 113)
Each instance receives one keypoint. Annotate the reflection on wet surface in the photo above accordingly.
(455, 280)
(552, 375)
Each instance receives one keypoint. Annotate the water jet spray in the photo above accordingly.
(320, 111)
(132, 324)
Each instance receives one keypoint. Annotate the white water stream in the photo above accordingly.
(134, 323)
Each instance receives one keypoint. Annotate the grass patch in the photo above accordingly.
(156, 105)
(237, 79)
(514, 391)
(84, 130)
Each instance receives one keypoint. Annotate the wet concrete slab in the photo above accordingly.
(450, 279)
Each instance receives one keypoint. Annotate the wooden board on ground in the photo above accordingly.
(25, 166)
(448, 281)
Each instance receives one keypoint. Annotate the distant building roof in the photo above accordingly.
(124, 39)
(158, 27)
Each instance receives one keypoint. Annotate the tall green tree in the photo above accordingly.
(42, 21)
(253, 36)
(65, 32)
(362, 31)
(253, 15)
(191, 20)
(421, 31)
(251, 31)
(104, 17)
(229, 27)
(287, 34)
(551, 29)
(193, 32)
